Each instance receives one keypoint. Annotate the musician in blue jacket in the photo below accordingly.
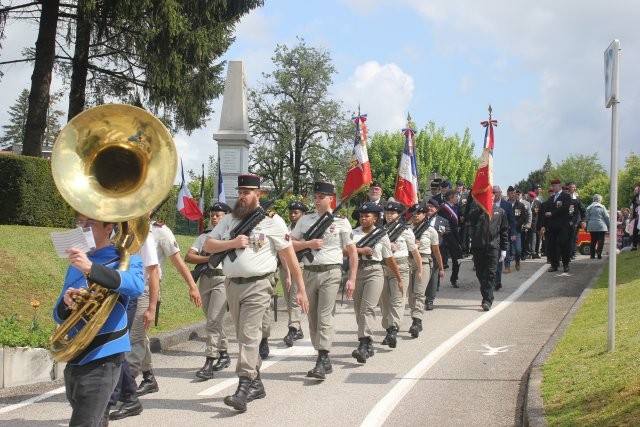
(91, 377)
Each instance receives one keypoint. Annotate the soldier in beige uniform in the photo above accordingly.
(296, 210)
(248, 281)
(369, 280)
(323, 273)
(214, 299)
(427, 243)
(392, 297)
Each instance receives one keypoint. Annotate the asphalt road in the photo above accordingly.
(468, 367)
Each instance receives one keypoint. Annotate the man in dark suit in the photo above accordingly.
(452, 240)
(374, 194)
(511, 220)
(558, 213)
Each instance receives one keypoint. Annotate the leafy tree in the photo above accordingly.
(450, 156)
(14, 131)
(599, 184)
(579, 168)
(627, 179)
(301, 133)
(538, 176)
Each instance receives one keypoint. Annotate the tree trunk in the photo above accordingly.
(41, 79)
(80, 63)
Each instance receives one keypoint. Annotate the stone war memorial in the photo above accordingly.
(233, 135)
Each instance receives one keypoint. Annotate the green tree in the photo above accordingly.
(599, 184)
(579, 168)
(15, 130)
(627, 179)
(301, 134)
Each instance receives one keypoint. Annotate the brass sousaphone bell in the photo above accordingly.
(112, 163)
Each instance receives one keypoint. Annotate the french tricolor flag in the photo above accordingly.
(187, 205)
(407, 182)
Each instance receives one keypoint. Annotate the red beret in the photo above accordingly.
(555, 182)
(532, 194)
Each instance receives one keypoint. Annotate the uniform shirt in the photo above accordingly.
(382, 249)
(338, 235)
(149, 256)
(261, 256)
(199, 242)
(428, 238)
(166, 244)
(406, 243)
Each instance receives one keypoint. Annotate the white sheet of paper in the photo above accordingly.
(78, 238)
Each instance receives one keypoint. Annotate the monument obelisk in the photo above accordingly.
(233, 134)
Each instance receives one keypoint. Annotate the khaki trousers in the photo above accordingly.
(293, 308)
(247, 305)
(366, 296)
(417, 291)
(214, 306)
(322, 288)
(391, 299)
(139, 357)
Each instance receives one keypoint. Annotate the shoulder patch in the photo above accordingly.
(271, 214)
(340, 216)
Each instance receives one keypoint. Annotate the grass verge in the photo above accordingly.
(584, 384)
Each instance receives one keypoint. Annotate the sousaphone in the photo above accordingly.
(111, 163)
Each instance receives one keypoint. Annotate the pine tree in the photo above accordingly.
(14, 131)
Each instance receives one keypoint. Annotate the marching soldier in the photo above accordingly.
(369, 279)
(322, 273)
(296, 210)
(248, 280)
(214, 298)
(556, 227)
(392, 298)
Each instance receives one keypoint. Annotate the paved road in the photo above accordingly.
(467, 368)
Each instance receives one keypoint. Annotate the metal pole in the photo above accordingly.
(613, 238)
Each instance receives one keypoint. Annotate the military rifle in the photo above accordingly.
(317, 229)
(395, 228)
(372, 238)
(244, 228)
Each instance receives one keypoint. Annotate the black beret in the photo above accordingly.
(570, 183)
(536, 186)
(297, 205)
(511, 188)
(220, 207)
(370, 207)
(458, 182)
(433, 202)
(324, 187)
(375, 184)
(248, 181)
(444, 184)
(393, 206)
(518, 190)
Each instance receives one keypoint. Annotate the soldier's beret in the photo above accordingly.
(556, 182)
(518, 190)
(536, 186)
(510, 188)
(324, 188)
(532, 194)
(375, 184)
(370, 207)
(458, 182)
(444, 184)
(433, 202)
(393, 206)
(297, 205)
(220, 207)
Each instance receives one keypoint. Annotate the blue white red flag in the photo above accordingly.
(482, 189)
(187, 205)
(407, 183)
(359, 170)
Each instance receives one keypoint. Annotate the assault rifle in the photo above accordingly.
(316, 231)
(200, 268)
(372, 238)
(244, 228)
(396, 227)
(421, 228)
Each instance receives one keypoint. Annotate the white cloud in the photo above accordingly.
(384, 92)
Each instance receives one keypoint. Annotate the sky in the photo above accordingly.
(539, 64)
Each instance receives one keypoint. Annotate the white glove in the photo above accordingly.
(503, 255)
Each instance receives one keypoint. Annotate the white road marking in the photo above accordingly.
(300, 348)
(492, 351)
(387, 404)
(31, 400)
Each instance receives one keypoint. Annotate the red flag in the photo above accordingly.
(482, 189)
(407, 182)
(187, 205)
(359, 171)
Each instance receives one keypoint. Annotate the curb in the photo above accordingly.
(168, 339)
(533, 414)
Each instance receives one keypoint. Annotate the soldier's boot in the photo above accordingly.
(238, 400)
(263, 348)
(415, 328)
(256, 389)
(361, 354)
(206, 372)
(148, 384)
(224, 361)
(385, 341)
(288, 340)
(370, 351)
(326, 362)
(319, 370)
(393, 337)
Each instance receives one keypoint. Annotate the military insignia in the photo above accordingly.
(257, 241)
(571, 208)
(517, 213)
(287, 237)
(270, 214)
(332, 228)
(559, 204)
(464, 201)
(175, 244)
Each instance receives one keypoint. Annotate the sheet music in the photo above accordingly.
(79, 238)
